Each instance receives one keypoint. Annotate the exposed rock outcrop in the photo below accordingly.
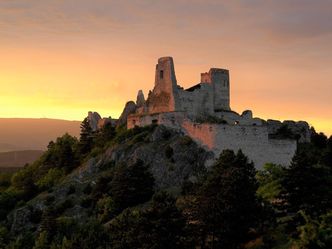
(97, 122)
(172, 157)
(94, 118)
(105, 121)
(140, 101)
(247, 114)
(130, 108)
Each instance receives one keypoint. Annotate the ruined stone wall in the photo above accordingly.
(197, 102)
(206, 98)
(169, 119)
(245, 118)
(205, 77)
(252, 140)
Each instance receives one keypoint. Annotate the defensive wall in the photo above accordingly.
(203, 112)
(254, 141)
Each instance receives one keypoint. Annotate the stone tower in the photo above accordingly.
(163, 98)
(219, 79)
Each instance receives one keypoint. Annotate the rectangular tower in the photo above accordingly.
(219, 79)
(163, 98)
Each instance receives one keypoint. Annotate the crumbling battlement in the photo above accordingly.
(254, 141)
(209, 96)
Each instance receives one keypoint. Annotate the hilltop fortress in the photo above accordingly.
(203, 112)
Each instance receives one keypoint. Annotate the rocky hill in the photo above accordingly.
(171, 158)
(115, 185)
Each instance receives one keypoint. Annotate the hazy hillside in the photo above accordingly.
(17, 159)
(7, 147)
(33, 134)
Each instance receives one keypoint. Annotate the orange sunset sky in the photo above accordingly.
(62, 58)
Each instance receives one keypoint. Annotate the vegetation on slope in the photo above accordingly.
(148, 188)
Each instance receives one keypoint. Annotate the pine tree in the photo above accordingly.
(159, 226)
(307, 186)
(90, 234)
(86, 137)
(227, 202)
(106, 134)
(165, 226)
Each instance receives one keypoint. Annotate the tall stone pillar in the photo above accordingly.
(164, 98)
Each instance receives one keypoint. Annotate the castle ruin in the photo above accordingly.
(203, 112)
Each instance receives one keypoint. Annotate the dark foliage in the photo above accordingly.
(48, 223)
(86, 138)
(35, 215)
(307, 186)
(106, 134)
(90, 235)
(131, 185)
(169, 152)
(227, 202)
(160, 226)
(319, 140)
(61, 154)
(284, 132)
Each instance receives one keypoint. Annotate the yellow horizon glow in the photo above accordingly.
(59, 62)
(74, 86)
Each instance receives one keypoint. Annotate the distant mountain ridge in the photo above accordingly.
(33, 134)
(4, 147)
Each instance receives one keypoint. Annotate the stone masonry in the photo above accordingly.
(203, 112)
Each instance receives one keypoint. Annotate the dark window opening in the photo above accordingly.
(161, 74)
(155, 121)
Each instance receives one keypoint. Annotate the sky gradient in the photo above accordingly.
(62, 58)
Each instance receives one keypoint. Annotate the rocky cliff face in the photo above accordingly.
(140, 100)
(94, 118)
(96, 122)
(130, 108)
(171, 156)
